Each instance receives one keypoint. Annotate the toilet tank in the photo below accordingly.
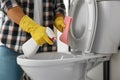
(95, 27)
(107, 36)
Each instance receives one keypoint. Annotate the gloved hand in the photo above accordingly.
(37, 32)
(59, 23)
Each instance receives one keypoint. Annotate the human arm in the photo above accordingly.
(59, 15)
(38, 32)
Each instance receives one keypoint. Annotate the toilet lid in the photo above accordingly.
(82, 30)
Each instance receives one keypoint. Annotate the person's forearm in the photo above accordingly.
(15, 14)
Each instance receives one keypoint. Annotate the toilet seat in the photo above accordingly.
(83, 27)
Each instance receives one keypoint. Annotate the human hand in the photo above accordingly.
(59, 23)
(37, 31)
(40, 35)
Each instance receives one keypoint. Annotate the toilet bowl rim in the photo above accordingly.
(78, 58)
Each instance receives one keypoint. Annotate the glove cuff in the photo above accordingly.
(59, 18)
(27, 24)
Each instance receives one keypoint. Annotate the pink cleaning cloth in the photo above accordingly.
(64, 36)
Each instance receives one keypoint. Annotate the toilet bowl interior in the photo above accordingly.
(46, 58)
(51, 56)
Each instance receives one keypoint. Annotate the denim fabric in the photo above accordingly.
(9, 69)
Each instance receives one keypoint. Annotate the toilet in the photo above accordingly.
(93, 38)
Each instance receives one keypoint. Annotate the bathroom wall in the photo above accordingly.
(115, 67)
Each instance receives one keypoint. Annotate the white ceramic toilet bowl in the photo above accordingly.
(86, 37)
(56, 66)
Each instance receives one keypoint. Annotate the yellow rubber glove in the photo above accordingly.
(37, 32)
(59, 23)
